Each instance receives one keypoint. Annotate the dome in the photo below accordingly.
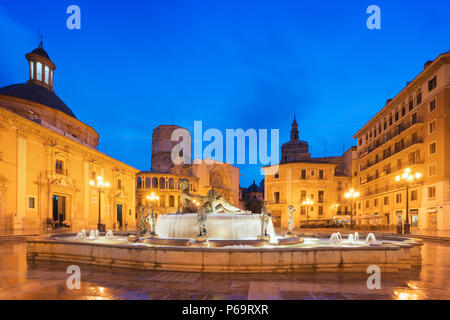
(40, 51)
(38, 94)
(253, 188)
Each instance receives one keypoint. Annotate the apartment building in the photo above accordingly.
(411, 131)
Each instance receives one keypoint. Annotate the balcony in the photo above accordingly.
(390, 135)
(396, 151)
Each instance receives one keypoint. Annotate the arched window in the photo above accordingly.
(139, 182)
(155, 183)
(51, 78)
(171, 201)
(47, 71)
(39, 71)
(162, 201)
(32, 69)
(93, 175)
(148, 183)
(171, 183)
(162, 183)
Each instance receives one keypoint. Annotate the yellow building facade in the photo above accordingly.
(299, 177)
(411, 131)
(48, 159)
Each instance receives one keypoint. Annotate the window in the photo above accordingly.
(162, 201)
(360, 141)
(320, 197)
(303, 174)
(432, 126)
(277, 175)
(148, 183)
(404, 111)
(431, 192)
(432, 148)
(31, 70)
(171, 201)
(432, 105)
(313, 173)
(277, 197)
(399, 164)
(139, 183)
(410, 105)
(39, 71)
(47, 71)
(419, 98)
(59, 167)
(302, 195)
(396, 116)
(31, 202)
(413, 195)
(93, 175)
(119, 184)
(320, 210)
(367, 204)
(302, 211)
(414, 157)
(432, 84)
(398, 198)
(432, 170)
(375, 202)
(155, 182)
(387, 169)
(386, 200)
(51, 77)
(414, 118)
(162, 183)
(321, 174)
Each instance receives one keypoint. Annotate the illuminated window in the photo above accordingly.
(51, 77)
(39, 71)
(32, 69)
(47, 71)
(432, 127)
(431, 192)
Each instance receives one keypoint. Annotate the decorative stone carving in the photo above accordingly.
(291, 209)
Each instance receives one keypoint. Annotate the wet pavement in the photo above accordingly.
(46, 280)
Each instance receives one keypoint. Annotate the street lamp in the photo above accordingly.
(308, 202)
(408, 177)
(101, 186)
(352, 194)
(152, 197)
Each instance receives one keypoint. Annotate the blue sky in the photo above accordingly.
(232, 64)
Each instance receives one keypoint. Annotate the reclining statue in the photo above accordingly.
(219, 204)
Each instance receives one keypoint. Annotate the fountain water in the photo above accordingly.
(356, 236)
(92, 235)
(109, 235)
(351, 238)
(371, 238)
(82, 234)
(97, 233)
(336, 238)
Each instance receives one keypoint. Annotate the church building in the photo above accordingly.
(51, 172)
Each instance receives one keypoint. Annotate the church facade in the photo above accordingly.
(48, 159)
(165, 178)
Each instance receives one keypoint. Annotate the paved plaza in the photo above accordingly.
(45, 280)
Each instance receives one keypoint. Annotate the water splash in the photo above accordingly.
(109, 235)
(336, 238)
(82, 234)
(371, 238)
(92, 235)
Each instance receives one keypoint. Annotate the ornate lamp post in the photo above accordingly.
(308, 202)
(101, 186)
(152, 197)
(408, 177)
(352, 194)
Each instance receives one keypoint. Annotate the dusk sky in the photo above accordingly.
(135, 65)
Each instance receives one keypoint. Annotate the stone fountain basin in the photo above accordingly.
(389, 254)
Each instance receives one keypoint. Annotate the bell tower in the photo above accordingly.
(294, 130)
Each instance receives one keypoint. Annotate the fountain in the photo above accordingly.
(371, 238)
(223, 238)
